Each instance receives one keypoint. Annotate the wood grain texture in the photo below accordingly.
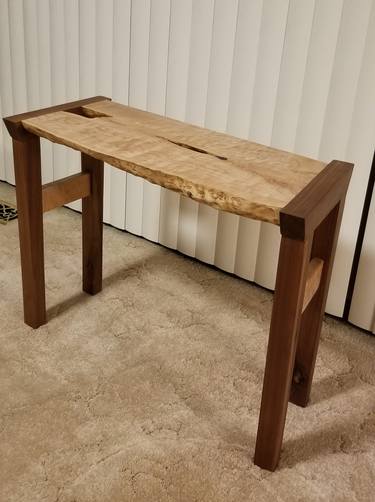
(300, 218)
(292, 269)
(30, 225)
(14, 122)
(323, 247)
(60, 192)
(92, 226)
(314, 273)
(222, 171)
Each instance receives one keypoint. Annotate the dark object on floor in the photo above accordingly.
(7, 212)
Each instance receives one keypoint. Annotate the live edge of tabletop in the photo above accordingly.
(225, 172)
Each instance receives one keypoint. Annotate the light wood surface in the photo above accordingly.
(314, 273)
(60, 192)
(227, 173)
(14, 122)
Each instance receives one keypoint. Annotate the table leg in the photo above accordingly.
(289, 292)
(92, 226)
(323, 246)
(27, 170)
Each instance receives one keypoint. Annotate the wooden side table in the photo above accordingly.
(305, 197)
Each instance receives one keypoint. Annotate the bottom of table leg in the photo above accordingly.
(36, 322)
(92, 289)
(264, 462)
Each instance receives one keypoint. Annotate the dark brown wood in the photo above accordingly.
(60, 192)
(92, 226)
(30, 223)
(14, 122)
(323, 247)
(293, 263)
(309, 225)
(306, 211)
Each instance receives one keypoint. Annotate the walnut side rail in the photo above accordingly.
(309, 227)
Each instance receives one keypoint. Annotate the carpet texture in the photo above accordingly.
(150, 390)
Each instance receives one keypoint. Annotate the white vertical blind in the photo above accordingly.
(103, 76)
(270, 51)
(336, 130)
(6, 94)
(218, 94)
(120, 93)
(362, 312)
(58, 77)
(197, 223)
(175, 106)
(361, 135)
(44, 76)
(249, 21)
(295, 74)
(72, 77)
(156, 91)
(138, 77)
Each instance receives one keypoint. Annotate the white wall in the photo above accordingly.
(295, 74)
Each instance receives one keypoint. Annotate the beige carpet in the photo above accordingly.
(150, 391)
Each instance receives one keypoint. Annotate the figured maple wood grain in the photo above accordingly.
(222, 171)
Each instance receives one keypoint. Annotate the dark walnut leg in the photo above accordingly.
(309, 226)
(92, 226)
(289, 293)
(30, 223)
(323, 247)
(33, 199)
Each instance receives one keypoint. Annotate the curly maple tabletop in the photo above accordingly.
(225, 172)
